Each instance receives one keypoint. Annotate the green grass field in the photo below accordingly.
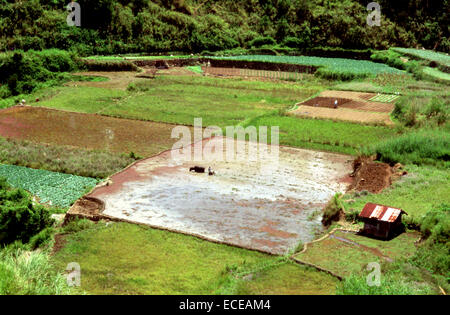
(181, 99)
(435, 73)
(342, 137)
(426, 55)
(123, 258)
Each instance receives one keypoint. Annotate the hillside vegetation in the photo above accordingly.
(201, 25)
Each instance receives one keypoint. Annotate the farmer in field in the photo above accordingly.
(335, 104)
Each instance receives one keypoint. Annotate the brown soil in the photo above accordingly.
(349, 103)
(370, 175)
(60, 242)
(89, 131)
(326, 102)
(86, 207)
(343, 114)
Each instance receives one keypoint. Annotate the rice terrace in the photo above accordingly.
(182, 149)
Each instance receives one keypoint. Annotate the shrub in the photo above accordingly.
(434, 253)
(419, 147)
(19, 218)
(333, 210)
(98, 65)
(23, 72)
(438, 110)
(262, 41)
(29, 273)
(435, 225)
(40, 239)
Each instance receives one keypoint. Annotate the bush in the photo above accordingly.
(40, 239)
(262, 41)
(29, 273)
(333, 210)
(434, 253)
(19, 218)
(419, 147)
(438, 110)
(435, 225)
(23, 72)
(98, 65)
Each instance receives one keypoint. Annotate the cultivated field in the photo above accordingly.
(180, 99)
(90, 131)
(348, 106)
(240, 205)
(172, 231)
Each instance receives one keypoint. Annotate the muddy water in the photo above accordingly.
(261, 204)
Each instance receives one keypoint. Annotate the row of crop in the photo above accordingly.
(331, 68)
(52, 188)
(440, 59)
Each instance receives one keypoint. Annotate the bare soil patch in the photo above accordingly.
(326, 102)
(60, 242)
(343, 114)
(371, 176)
(351, 106)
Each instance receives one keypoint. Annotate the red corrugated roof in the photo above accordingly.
(380, 212)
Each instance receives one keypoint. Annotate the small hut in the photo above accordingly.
(380, 221)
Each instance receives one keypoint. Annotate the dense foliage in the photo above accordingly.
(20, 219)
(21, 73)
(194, 25)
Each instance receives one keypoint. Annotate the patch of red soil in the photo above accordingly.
(370, 175)
(326, 102)
(127, 175)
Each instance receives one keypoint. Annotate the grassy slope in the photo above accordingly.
(128, 259)
(436, 73)
(288, 279)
